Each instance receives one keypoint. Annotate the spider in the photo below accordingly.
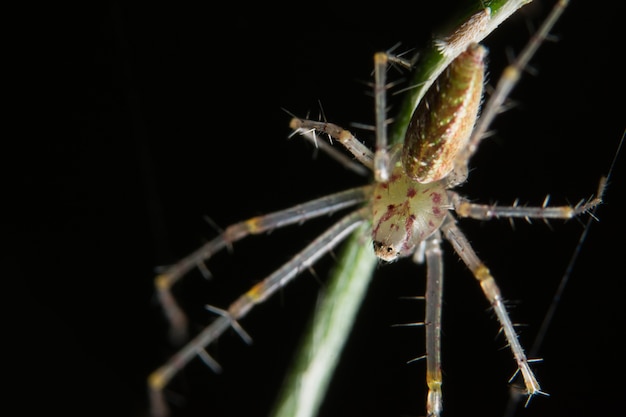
(408, 210)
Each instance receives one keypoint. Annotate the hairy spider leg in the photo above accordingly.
(158, 379)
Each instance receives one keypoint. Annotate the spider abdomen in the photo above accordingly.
(443, 121)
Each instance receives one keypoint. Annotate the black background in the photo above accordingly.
(141, 119)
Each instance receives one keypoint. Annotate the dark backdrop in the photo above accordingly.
(141, 119)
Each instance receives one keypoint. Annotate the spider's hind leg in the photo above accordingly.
(492, 292)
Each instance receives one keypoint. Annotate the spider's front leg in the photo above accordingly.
(382, 159)
(300, 213)
(160, 378)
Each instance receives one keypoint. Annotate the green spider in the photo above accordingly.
(407, 211)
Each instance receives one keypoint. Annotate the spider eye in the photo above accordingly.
(385, 252)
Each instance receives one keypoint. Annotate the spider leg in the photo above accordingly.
(379, 161)
(241, 306)
(297, 214)
(381, 157)
(333, 152)
(361, 152)
(434, 296)
(492, 292)
(465, 208)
